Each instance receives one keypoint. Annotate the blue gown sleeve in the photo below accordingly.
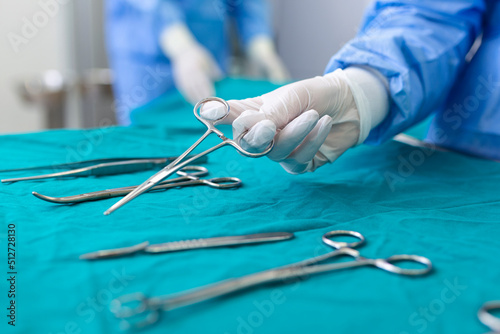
(135, 25)
(252, 18)
(420, 47)
(169, 13)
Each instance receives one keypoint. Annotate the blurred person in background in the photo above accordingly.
(155, 46)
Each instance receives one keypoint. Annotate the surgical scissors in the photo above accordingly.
(488, 319)
(137, 305)
(189, 177)
(176, 246)
(101, 168)
(179, 163)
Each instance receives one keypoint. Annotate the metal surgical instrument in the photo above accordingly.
(175, 246)
(189, 177)
(85, 163)
(488, 319)
(137, 310)
(183, 160)
(102, 168)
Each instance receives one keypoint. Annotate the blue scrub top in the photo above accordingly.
(141, 71)
(421, 48)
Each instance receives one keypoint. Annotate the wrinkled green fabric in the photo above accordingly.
(404, 200)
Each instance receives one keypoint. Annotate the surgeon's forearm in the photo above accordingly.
(420, 48)
(167, 14)
(176, 39)
(370, 91)
(253, 19)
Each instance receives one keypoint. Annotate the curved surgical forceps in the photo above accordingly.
(180, 162)
(487, 318)
(136, 305)
(189, 176)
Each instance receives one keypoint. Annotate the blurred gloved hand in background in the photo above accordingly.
(262, 52)
(313, 121)
(194, 68)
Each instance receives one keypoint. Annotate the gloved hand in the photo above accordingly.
(312, 122)
(262, 52)
(194, 68)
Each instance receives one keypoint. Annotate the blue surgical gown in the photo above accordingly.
(423, 48)
(141, 71)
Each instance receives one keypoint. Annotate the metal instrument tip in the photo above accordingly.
(146, 186)
(89, 256)
(117, 252)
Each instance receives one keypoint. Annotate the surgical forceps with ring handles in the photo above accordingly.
(189, 177)
(136, 305)
(180, 162)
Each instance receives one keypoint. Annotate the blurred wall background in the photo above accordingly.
(309, 33)
(67, 35)
(26, 49)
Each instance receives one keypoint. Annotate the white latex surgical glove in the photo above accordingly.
(194, 68)
(313, 121)
(262, 52)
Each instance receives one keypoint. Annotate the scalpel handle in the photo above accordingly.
(218, 242)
